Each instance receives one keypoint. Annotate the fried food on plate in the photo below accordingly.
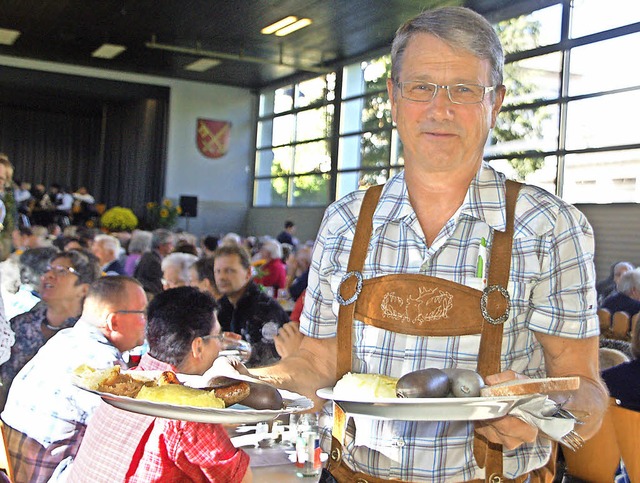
(112, 380)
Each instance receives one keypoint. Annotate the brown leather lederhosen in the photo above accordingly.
(452, 310)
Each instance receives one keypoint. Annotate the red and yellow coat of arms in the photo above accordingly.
(212, 137)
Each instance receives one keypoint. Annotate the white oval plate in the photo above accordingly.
(425, 409)
(236, 414)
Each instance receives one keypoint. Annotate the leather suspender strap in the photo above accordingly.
(499, 267)
(357, 255)
(489, 455)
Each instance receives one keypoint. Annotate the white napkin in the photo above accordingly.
(536, 410)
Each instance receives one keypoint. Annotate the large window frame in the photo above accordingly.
(361, 152)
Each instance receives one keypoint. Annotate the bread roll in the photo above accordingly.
(520, 387)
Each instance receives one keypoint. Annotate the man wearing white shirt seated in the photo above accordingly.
(107, 249)
(46, 415)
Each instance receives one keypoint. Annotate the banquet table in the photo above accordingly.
(270, 464)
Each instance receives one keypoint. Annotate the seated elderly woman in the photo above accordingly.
(273, 272)
(140, 242)
(175, 269)
(63, 288)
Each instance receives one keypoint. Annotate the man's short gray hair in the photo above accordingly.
(460, 28)
(108, 242)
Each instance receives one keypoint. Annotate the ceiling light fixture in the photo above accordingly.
(108, 51)
(8, 36)
(278, 25)
(201, 65)
(303, 22)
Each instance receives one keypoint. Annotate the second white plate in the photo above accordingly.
(425, 409)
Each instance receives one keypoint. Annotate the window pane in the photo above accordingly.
(607, 177)
(265, 131)
(274, 162)
(314, 123)
(366, 113)
(270, 192)
(367, 149)
(266, 103)
(603, 121)
(538, 171)
(534, 79)
(312, 157)
(283, 129)
(527, 32)
(348, 182)
(523, 130)
(397, 150)
(314, 90)
(311, 190)
(591, 16)
(367, 76)
(283, 99)
(603, 65)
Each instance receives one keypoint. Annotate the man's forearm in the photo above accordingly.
(592, 399)
(310, 368)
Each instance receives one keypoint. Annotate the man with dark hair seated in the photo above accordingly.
(244, 308)
(202, 276)
(182, 332)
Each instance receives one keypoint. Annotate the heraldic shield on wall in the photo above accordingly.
(213, 137)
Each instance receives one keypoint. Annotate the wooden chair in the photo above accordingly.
(627, 428)
(5, 460)
(605, 322)
(634, 324)
(620, 323)
(599, 458)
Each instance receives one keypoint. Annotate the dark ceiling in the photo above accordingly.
(342, 30)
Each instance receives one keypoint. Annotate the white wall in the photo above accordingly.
(223, 184)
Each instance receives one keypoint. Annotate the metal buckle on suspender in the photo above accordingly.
(483, 304)
(354, 297)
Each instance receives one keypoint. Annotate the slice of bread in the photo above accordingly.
(519, 387)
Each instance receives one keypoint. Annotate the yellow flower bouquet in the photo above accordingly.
(119, 219)
(162, 215)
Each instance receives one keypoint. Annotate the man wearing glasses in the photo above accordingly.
(45, 416)
(398, 280)
(184, 337)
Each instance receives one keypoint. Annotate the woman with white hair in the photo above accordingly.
(175, 269)
(273, 272)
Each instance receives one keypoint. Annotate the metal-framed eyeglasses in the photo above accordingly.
(420, 91)
(220, 337)
(142, 313)
(61, 270)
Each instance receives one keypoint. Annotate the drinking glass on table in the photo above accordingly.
(232, 344)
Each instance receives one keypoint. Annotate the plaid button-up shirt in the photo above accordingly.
(551, 284)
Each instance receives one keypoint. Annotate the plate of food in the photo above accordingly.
(456, 396)
(168, 395)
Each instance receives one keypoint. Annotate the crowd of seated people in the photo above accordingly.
(38, 205)
(58, 281)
